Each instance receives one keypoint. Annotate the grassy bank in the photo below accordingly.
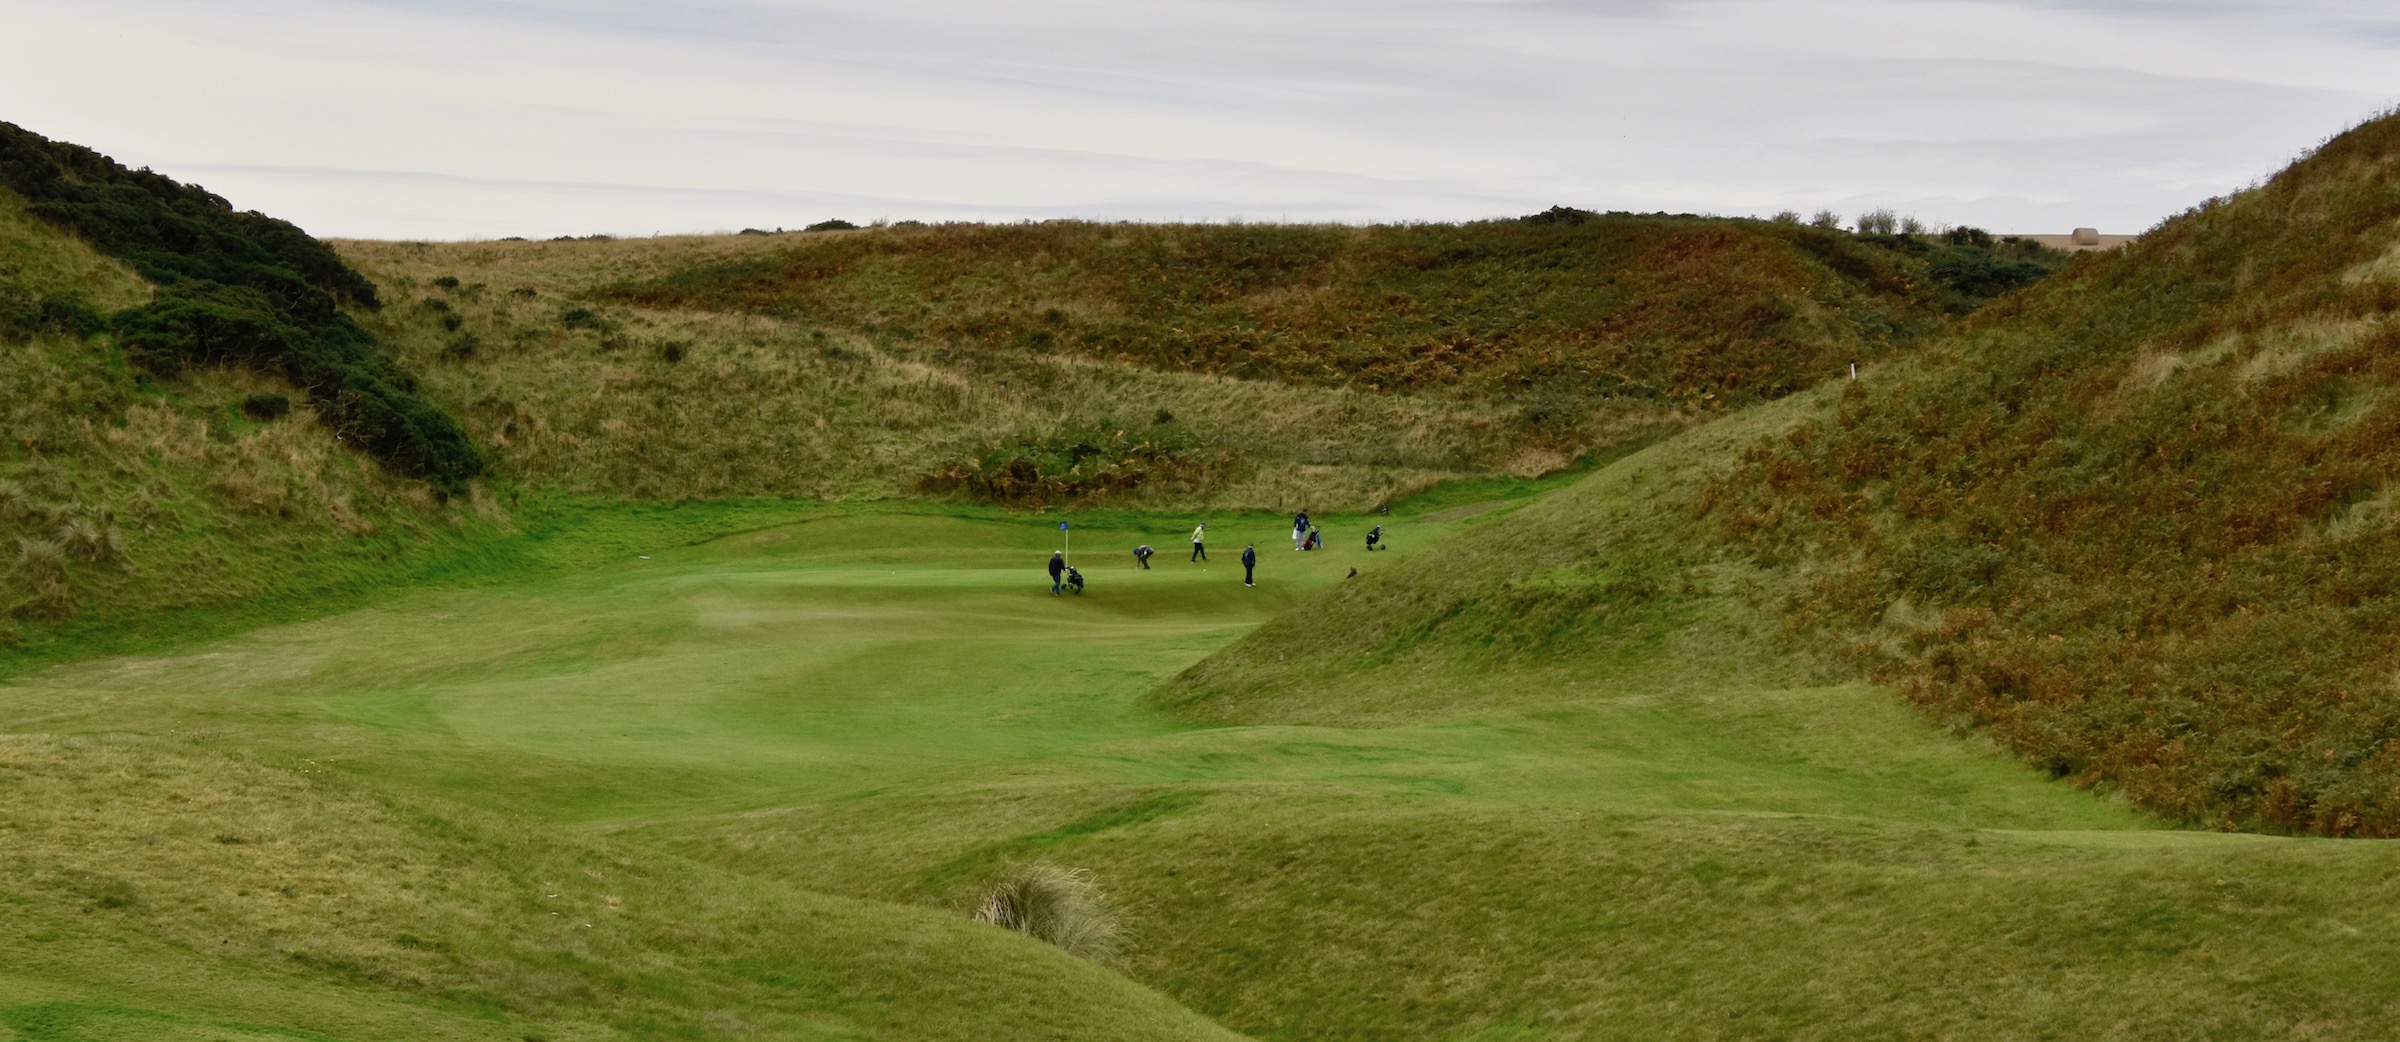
(2137, 521)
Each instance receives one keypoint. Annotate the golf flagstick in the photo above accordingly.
(1066, 544)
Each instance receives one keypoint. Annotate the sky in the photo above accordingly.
(448, 119)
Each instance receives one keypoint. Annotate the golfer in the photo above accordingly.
(1199, 544)
(1058, 570)
(1299, 529)
(1249, 562)
(1141, 556)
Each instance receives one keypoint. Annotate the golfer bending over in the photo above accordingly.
(1199, 548)
(1141, 556)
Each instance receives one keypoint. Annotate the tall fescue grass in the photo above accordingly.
(137, 498)
(1063, 907)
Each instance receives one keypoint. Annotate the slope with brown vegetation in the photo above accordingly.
(1685, 311)
(2139, 521)
(1071, 362)
(684, 404)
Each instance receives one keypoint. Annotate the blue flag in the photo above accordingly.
(1062, 526)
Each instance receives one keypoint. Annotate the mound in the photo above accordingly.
(155, 888)
(2136, 521)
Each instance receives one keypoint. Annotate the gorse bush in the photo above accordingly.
(263, 407)
(1063, 907)
(24, 313)
(237, 288)
(2139, 520)
(1087, 466)
(365, 400)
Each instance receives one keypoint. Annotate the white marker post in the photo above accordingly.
(1066, 544)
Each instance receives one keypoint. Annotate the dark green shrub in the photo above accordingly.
(1976, 275)
(264, 407)
(357, 392)
(447, 282)
(238, 288)
(1566, 215)
(835, 225)
(1082, 466)
(24, 313)
(1966, 236)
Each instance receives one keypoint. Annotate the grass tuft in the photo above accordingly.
(1060, 906)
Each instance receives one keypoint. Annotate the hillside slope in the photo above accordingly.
(2139, 520)
(1069, 362)
(125, 495)
(2136, 520)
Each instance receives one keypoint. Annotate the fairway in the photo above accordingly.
(816, 660)
(885, 705)
(870, 653)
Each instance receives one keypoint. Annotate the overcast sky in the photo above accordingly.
(456, 119)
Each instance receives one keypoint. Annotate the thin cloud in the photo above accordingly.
(366, 117)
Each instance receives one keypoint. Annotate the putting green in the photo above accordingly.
(830, 656)
(883, 651)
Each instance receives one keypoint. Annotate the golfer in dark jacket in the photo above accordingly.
(1249, 561)
(1141, 556)
(1058, 569)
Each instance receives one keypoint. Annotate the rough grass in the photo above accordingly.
(1301, 365)
(153, 497)
(1684, 311)
(2136, 520)
(35, 258)
(251, 873)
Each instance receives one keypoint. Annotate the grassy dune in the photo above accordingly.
(2139, 520)
(1739, 840)
(1233, 366)
(124, 499)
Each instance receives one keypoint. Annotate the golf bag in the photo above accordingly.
(1074, 579)
(1375, 538)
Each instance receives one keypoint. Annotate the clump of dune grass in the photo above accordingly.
(41, 560)
(1060, 905)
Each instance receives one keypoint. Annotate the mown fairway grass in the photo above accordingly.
(807, 744)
